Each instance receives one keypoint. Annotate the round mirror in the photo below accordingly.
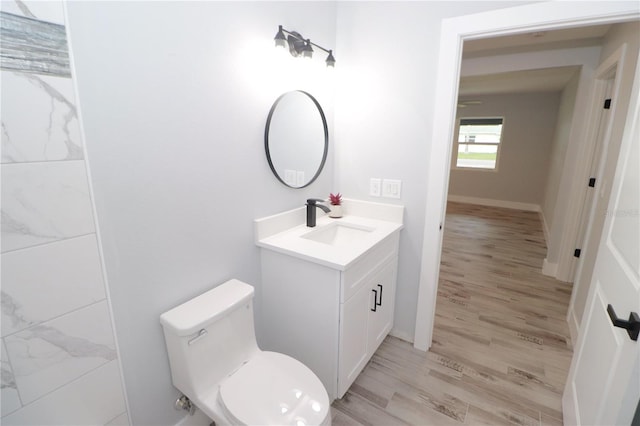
(296, 139)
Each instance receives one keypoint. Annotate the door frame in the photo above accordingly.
(597, 297)
(614, 64)
(567, 262)
(528, 18)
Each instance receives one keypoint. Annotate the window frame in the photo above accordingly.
(456, 145)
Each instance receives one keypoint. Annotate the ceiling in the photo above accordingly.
(534, 41)
(528, 81)
(534, 80)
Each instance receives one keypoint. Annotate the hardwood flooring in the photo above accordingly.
(501, 351)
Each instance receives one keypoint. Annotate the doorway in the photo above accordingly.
(540, 16)
(496, 312)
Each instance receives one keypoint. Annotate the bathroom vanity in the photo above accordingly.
(328, 292)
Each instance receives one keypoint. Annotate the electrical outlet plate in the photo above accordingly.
(290, 177)
(374, 187)
(391, 188)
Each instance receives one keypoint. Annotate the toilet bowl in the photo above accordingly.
(216, 362)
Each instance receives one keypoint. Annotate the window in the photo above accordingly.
(479, 143)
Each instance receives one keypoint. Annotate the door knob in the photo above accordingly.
(632, 325)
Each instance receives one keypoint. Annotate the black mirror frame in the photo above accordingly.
(326, 140)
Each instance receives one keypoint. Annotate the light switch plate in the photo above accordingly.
(374, 187)
(391, 188)
(290, 177)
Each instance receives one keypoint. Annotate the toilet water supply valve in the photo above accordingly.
(184, 403)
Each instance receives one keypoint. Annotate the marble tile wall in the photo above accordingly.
(58, 353)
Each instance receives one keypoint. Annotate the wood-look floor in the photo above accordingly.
(501, 350)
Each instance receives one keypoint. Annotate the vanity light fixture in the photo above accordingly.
(299, 46)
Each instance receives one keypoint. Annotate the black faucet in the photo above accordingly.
(311, 210)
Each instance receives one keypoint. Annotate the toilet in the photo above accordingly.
(216, 362)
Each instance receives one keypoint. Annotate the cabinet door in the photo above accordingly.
(381, 306)
(353, 354)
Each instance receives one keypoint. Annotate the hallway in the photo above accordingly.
(500, 352)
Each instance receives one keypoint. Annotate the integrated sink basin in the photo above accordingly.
(338, 234)
(336, 243)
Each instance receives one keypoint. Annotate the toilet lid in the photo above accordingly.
(275, 389)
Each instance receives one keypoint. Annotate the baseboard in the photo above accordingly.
(401, 335)
(515, 205)
(572, 321)
(549, 269)
(545, 227)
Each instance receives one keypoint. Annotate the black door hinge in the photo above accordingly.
(592, 182)
(576, 252)
(607, 103)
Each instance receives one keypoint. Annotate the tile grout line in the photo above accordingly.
(95, 302)
(115, 417)
(75, 379)
(64, 160)
(49, 242)
(4, 343)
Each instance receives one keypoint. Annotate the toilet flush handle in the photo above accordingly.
(200, 335)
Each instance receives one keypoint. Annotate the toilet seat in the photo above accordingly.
(274, 389)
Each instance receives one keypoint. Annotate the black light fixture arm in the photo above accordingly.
(297, 43)
(299, 36)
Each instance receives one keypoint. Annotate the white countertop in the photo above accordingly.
(284, 232)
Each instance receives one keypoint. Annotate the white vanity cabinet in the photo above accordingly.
(330, 319)
(366, 310)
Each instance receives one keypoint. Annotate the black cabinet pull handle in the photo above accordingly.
(632, 325)
(375, 299)
(380, 302)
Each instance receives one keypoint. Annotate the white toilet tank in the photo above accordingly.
(217, 325)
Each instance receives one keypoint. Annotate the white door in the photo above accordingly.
(352, 355)
(603, 386)
(596, 160)
(381, 306)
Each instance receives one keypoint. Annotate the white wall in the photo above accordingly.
(59, 356)
(559, 150)
(523, 161)
(174, 98)
(385, 101)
